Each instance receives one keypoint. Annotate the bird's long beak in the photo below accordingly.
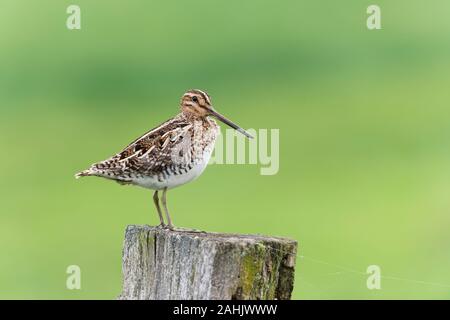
(230, 123)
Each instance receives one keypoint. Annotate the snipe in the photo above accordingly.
(170, 155)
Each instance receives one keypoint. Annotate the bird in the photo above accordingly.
(169, 155)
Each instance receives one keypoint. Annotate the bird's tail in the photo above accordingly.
(85, 173)
(106, 169)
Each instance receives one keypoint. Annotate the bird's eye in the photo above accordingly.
(195, 99)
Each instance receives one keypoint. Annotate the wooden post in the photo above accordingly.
(164, 264)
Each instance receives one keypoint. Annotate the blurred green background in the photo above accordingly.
(364, 119)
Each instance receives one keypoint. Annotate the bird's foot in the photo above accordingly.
(173, 228)
(161, 226)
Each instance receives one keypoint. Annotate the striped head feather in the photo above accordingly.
(196, 103)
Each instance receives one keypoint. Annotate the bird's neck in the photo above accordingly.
(191, 116)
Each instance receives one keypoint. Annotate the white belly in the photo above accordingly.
(176, 180)
(173, 180)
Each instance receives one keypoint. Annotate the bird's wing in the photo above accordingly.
(147, 154)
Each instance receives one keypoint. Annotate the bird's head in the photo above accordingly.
(197, 103)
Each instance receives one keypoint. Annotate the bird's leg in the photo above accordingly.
(158, 208)
(169, 225)
(164, 203)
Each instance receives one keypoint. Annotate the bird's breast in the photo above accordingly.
(188, 160)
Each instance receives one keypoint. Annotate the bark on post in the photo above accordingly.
(163, 264)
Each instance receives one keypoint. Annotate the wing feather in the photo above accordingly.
(147, 154)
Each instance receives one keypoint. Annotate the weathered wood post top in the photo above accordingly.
(164, 264)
